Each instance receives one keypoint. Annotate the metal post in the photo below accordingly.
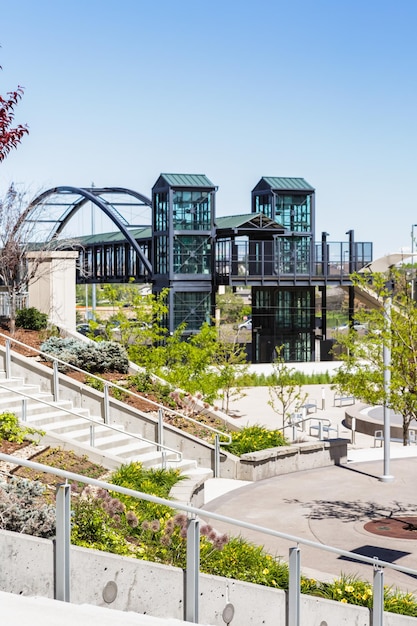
(92, 433)
(192, 571)
(8, 365)
(106, 407)
(24, 410)
(216, 456)
(62, 543)
(320, 430)
(323, 399)
(56, 381)
(164, 459)
(378, 597)
(160, 428)
(387, 477)
(294, 587)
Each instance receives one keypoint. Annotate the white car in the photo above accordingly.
(246, 325)
(360, 328)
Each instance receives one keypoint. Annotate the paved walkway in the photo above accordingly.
(328, 505)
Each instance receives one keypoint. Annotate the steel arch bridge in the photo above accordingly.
(53, 209)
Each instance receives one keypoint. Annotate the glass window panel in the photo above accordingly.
(191, 255)
(161, 211)
(191, 210)
(294, 212)
(192, 308)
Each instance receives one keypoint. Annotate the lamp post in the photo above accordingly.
(387, 477)
(412, 238)
(412, 260)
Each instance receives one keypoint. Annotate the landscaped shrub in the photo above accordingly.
(254, 438)
(144, 383)
(22, 509)
(31, 319)
(11, 431)
(106, 356)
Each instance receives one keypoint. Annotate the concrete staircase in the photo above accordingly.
(64, 423)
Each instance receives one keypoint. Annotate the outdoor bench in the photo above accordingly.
(325, 429)
(311, 405)
(341, 400)
(379, 436)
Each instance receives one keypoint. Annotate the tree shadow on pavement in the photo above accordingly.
(351, 511)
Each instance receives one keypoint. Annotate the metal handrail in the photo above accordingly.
(94, 422)
(294, 591)
(294, 425)
(105, 382)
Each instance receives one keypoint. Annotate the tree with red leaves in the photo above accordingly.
(10, 137)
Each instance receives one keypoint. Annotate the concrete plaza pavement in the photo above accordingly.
(328, 505)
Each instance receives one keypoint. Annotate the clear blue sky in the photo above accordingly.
(118, 91)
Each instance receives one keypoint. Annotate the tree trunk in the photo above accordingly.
(406, 424)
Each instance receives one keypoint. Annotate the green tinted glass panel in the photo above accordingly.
(294, 212)
(192, 308)
(191, 254)
(191, 210)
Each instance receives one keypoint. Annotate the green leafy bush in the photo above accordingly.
(352, 590)
(254, 438)
(106, 356)
(11, 431)
(144, 383)
(31, 319)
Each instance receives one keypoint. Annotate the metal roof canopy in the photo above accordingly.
(94, 195)
(279, 183)
(186, 180)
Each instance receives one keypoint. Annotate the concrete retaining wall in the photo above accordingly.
(129, 584)
(284, 460)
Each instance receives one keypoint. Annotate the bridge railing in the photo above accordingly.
(21, 303)
(62, 553)
(219, 436)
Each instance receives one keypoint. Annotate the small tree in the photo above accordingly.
(16, 238)
(10, 136)
(284, 392)
(232, 368)
(362, 373)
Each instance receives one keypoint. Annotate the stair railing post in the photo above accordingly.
(320, 430)
(294, 583)
(24, 410)
(192, 571)
(378, 597)
(56, 381)
(92, 435)
(216, 456)
(163, 459)
(62, 543)
(106, 405)
(8, 364)
(160, 439)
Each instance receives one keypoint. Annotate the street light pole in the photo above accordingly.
(412, 260)
(387, 477)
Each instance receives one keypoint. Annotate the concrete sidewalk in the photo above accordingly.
(327, 505)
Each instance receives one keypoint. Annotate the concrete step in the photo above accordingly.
(56, 415)
(34, 406)
(28, 390)
(116, 445)
(65, 426)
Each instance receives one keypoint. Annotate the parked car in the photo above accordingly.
(246, 325)
(360, 328)
(84, 329)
